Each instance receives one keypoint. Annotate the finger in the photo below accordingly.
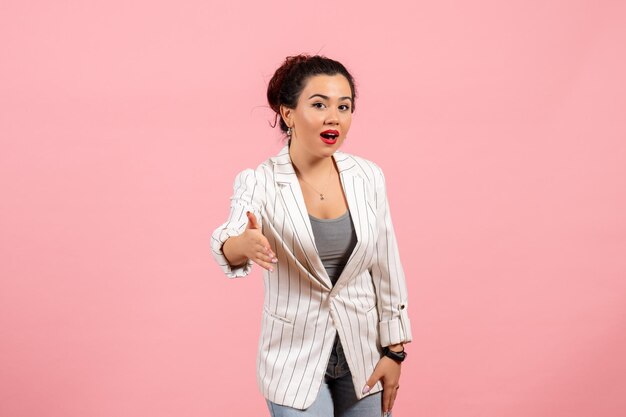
(387, 394)
(393, 398)
(264, 259)
(371, 382)
(252, 224)
(267, 247)
(257, 236)
(265, 252)
(263, 264)
(264, 256)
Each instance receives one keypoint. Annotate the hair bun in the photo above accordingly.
(276, 83)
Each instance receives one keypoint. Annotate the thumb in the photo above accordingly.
(371, 381)
(252, 224)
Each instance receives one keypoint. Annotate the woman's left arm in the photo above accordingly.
(391, 293)
(388, 275)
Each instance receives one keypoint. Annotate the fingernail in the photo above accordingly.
(271, 269)
(366, 389)
(274, 260)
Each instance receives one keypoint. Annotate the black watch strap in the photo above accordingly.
(396, 356)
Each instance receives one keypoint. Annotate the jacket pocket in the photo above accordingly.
(277, 317)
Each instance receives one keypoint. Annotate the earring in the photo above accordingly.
(289, 131)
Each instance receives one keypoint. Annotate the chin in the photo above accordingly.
(330, 150)
(337, 145)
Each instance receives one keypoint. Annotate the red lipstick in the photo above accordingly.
(329, 136)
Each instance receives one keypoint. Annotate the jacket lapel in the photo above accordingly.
(291, 195)
(356, 194)
(295, 209)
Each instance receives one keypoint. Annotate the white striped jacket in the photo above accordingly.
(302, 310)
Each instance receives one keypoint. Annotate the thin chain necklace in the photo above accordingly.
(327, 182)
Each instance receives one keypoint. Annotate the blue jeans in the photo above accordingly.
(336, 397)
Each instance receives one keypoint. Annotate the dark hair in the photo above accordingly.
(289, 79)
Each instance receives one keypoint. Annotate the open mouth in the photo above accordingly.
(329, 136)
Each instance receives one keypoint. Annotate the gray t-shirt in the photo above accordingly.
(335, 240)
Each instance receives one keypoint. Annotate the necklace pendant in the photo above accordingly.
(321, 196)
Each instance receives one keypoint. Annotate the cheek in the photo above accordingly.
(347, 121)
(311, 120)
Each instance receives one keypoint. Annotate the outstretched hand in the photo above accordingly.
(255, 246)
(387, 371)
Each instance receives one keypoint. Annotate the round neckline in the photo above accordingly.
(330, 220)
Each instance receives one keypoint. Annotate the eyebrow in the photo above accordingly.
(326, 97)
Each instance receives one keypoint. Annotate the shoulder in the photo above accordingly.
(365, 168)
(256, 175)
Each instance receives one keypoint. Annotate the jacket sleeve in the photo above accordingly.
(387, 273)
(246, 197)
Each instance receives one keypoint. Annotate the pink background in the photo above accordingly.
(499, 124)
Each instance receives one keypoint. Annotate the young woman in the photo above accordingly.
(317, 220)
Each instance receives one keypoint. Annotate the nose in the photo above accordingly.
(332, 117)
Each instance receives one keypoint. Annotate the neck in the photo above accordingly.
(308, 165)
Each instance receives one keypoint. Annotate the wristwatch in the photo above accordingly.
(396, 356)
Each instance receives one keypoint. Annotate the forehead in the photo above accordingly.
(329, 85)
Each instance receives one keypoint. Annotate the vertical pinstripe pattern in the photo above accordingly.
(302, 310)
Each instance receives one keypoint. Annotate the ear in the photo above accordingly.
(287, 114)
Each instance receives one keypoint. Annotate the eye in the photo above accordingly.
(318, 105)
(344, 107)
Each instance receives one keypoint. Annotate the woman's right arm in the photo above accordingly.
(238, 242)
